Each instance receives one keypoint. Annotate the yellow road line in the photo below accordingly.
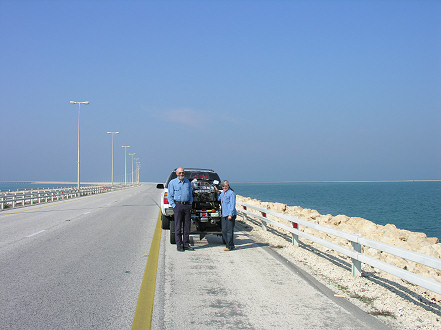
(144, 307)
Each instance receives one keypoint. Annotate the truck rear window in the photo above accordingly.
(199, 175)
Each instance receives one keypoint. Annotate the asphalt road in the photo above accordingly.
(251, 287)
(76, 264)
(79, 264)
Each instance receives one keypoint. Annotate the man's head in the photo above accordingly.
(180, 173)
(225, 185)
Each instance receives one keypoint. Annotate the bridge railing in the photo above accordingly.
(357, 242)
(31, 197)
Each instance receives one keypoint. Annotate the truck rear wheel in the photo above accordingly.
(172, 232)
(165, 221)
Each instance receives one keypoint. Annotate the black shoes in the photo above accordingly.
(181, 248)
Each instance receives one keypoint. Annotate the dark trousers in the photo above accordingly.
(182, 219)
(228, 231)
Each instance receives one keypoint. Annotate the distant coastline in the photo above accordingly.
(339, 181)
(65, 182)
(52, 182)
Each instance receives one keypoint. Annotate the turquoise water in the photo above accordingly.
(14, 186)
(414, 206)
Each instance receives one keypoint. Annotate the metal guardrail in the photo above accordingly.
(357, 241)
(31, 197)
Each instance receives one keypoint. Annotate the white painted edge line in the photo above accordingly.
(39, 232)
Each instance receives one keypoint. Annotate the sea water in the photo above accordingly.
(415, 205)
(29, 185)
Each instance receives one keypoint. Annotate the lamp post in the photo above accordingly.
(132, 164)
(136, 171)
(113, 135)
(138, 166)
(125, 163)
(79, 105)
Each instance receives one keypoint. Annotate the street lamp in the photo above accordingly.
(138, 166)
(132, 165)
(125, 163)
(113, 135)
(79, 105)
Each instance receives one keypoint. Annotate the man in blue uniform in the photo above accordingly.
(229, 213)
(180, 197)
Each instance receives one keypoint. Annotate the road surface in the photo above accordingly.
(79, 264)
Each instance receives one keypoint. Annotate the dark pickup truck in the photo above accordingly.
(205, 210)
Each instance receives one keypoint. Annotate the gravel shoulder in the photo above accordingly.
(394, 301)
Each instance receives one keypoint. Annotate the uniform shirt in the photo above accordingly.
(179, 191)
(228, 201)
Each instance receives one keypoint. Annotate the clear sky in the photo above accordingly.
(257, 90)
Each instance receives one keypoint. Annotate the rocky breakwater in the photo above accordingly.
(390, 234)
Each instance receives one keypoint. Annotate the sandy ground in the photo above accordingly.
(399, 303)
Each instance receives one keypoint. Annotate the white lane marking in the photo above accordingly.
(36, 233)
(86, 212)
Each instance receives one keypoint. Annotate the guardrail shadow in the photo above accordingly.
(393, 286)
(240, 242)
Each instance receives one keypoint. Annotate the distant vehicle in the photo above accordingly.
(206, 209)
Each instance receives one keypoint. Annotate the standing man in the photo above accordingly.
(229, 213)
(180, 197)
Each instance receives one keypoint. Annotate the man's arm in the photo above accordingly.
(232, 204)
(171, 194)
(191, 193)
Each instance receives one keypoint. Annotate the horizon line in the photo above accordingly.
(290, 181)
(338, 181)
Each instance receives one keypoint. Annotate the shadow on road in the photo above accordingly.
(241, 242)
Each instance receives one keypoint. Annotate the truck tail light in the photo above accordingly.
(165, 198)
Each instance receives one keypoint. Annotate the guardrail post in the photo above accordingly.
(356, 264)
(3, 202)
(14, 199)
(264, 225)
(39, 197)
(295, 237)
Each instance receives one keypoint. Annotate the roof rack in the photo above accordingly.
(196, 169)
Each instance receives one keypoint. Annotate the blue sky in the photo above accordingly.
(258, 90)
